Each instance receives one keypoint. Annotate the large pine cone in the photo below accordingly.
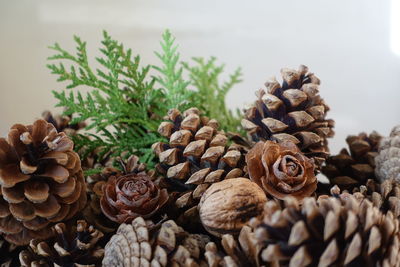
(143, 244)
(388, 159)
(329, 232)
(196, 156)
(41, 181)
(76, 247)
(292, 111)
(352, 169)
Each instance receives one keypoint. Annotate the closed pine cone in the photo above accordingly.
(143, 244)
(388, 159)
(76, 247)
(41, 181)
(292, 111)
(196, 155)
(328, 232)
(352, 169)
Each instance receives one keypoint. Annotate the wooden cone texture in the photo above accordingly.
(353, 167)
(41, 181)
(76, 247)
(388, 159)
(196, 155)
(292, 111)
(143, 244)
(329, 232)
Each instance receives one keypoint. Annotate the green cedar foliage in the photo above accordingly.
(123, 104)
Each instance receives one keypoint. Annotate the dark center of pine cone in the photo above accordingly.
(136, 186)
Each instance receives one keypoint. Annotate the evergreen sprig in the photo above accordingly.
(123, 104)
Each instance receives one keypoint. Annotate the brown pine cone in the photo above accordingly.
(8, 253)
(349, 170)
(143, 244)
(281, 170)
(196, 156)
(69, 247)
(134, 194)
(41, 181)
(63, 123)
(292, 111)
(240, 252)
(385, 196)
(329, 232)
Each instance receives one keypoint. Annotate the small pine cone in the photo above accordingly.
(196, 156)
(63, 123)
(350, 170)
(93, 213)
(69, 247)
(388, 160)
(385, 195)
(142, 244)
(292, 111)
(332, 231)
(41, 181)
(8, 253)
(240, 252)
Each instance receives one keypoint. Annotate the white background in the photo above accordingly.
(346, 43)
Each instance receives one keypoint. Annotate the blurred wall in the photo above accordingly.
(346, 43)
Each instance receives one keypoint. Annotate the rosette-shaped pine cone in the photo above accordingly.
(329, 232)
(240, 252)
(63, 123)
(41, 181)
(130, 196)
(352, 169)
(196, 155)
(8, 253)
(143, 244)
(388, 160)
(385, 195)
(292, 111)
(281, 170)
(69, 247)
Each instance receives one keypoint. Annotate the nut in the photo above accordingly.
(228, 205)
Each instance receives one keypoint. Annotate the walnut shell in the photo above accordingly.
(227, 205)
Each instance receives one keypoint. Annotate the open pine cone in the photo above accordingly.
(143, 244)
(388, 159)
(8, 253)
(352, 169)
(196, 155)
(62, 123)
(292, 111)
(41, 181)
(76, 247)
(329, 232)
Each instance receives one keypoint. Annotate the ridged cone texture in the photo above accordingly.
(69, 247)
(354, 166)
(196, 155)
(41, 181)
(292, 111)
(142, 243)
(388, 160)
(329, 231)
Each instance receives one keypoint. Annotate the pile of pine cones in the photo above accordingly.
(211, 200)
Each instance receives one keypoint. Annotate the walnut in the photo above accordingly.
(226, 206)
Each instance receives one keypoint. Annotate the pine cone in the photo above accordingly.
(8, 253)
(41, 181)
(350, 170)
(196, 156)
(141, 244)
(385, 196)
(292, 111)
(388, 159)
(69, 247)
(281, 170)
(328, 232)
(63, 123)
(135, 194)
(241, 252)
